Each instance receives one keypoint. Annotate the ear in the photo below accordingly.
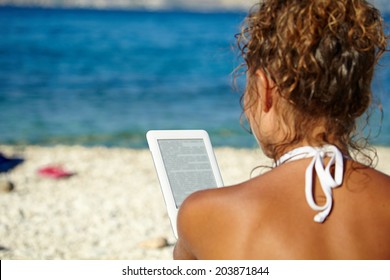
(265, 89)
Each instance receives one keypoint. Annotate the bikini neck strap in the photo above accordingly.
(327, 179)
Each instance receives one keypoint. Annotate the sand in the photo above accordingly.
(111, 208)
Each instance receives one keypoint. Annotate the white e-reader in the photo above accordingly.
(185, 163)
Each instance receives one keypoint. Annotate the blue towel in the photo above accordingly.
(7, 164)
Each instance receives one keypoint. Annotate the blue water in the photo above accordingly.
(94, 77)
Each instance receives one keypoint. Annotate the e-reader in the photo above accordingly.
(185, 163)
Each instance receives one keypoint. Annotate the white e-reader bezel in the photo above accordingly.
(153, 137)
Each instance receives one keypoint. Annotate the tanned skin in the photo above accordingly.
(268, 217)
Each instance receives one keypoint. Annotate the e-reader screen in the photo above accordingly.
(187, 166)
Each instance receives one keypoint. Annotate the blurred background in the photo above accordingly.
(104, 72)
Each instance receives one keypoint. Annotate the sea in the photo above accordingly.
(105, 77)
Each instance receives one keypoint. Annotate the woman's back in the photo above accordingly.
(269, 218)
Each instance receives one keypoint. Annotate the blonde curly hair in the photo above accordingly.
(321, 56)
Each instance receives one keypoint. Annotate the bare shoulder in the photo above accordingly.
(361, 178)
(369, 189)
(196, 223)
(219, 219)
(201, 213)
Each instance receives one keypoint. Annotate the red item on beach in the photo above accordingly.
(55, 172)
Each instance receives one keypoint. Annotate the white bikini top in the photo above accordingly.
(327, 181)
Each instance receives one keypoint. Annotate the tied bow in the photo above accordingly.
(327, 180)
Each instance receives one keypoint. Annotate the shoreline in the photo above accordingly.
(111, 208)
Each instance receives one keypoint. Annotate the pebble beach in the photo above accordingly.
(110, 208)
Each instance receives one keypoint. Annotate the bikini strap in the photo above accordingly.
(324, 173)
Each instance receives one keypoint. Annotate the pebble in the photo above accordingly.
(154, 243)
(6, 186)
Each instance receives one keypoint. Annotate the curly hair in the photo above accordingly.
(321, 56)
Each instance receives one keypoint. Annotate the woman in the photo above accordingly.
(309, 71)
